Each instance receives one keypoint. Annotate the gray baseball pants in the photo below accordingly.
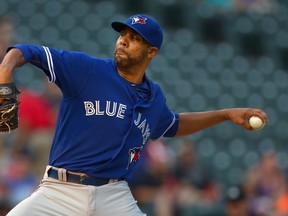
(60, 198)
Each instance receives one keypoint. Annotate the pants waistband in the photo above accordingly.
(78, 178)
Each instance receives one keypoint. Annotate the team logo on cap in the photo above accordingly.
(139, 20)
(134, 155)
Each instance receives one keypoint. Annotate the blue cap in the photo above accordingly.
(145, 26)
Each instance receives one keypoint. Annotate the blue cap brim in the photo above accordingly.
(148, 28)
(118, 26)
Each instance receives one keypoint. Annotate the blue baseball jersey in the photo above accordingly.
(104, 122)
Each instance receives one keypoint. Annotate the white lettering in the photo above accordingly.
(109, 109)
(136, 122)
(142, 126)
(146, 134)
(89, 108)
(113, 108)
(97, 108)
(121, 111)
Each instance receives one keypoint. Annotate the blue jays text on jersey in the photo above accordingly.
(103, 124)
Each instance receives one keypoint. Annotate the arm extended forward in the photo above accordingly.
(192, 122)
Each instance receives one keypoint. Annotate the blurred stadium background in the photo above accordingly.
(216, 54)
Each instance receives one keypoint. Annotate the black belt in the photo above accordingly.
(82, 179)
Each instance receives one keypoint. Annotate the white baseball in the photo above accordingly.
(256, 123)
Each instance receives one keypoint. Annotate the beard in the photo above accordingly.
(125, 59)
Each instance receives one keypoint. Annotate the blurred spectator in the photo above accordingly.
(266, 187)
(196, 187)
(24, 152)
(281, 203)
(6, 34)
(18, 178)
(153, 184)
(36, 127)
(260, 6)
(235, 202)
(6, 39)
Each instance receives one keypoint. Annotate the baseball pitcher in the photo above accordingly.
(109, 111)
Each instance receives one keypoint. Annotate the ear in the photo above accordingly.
(152, 52)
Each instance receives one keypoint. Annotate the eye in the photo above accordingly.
(122, 33)
(136, 37)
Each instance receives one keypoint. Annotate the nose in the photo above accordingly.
(123, 41)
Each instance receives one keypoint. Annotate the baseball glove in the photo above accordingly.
(8, 107)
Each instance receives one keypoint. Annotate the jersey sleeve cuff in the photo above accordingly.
(173, 130)
(25, 51)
